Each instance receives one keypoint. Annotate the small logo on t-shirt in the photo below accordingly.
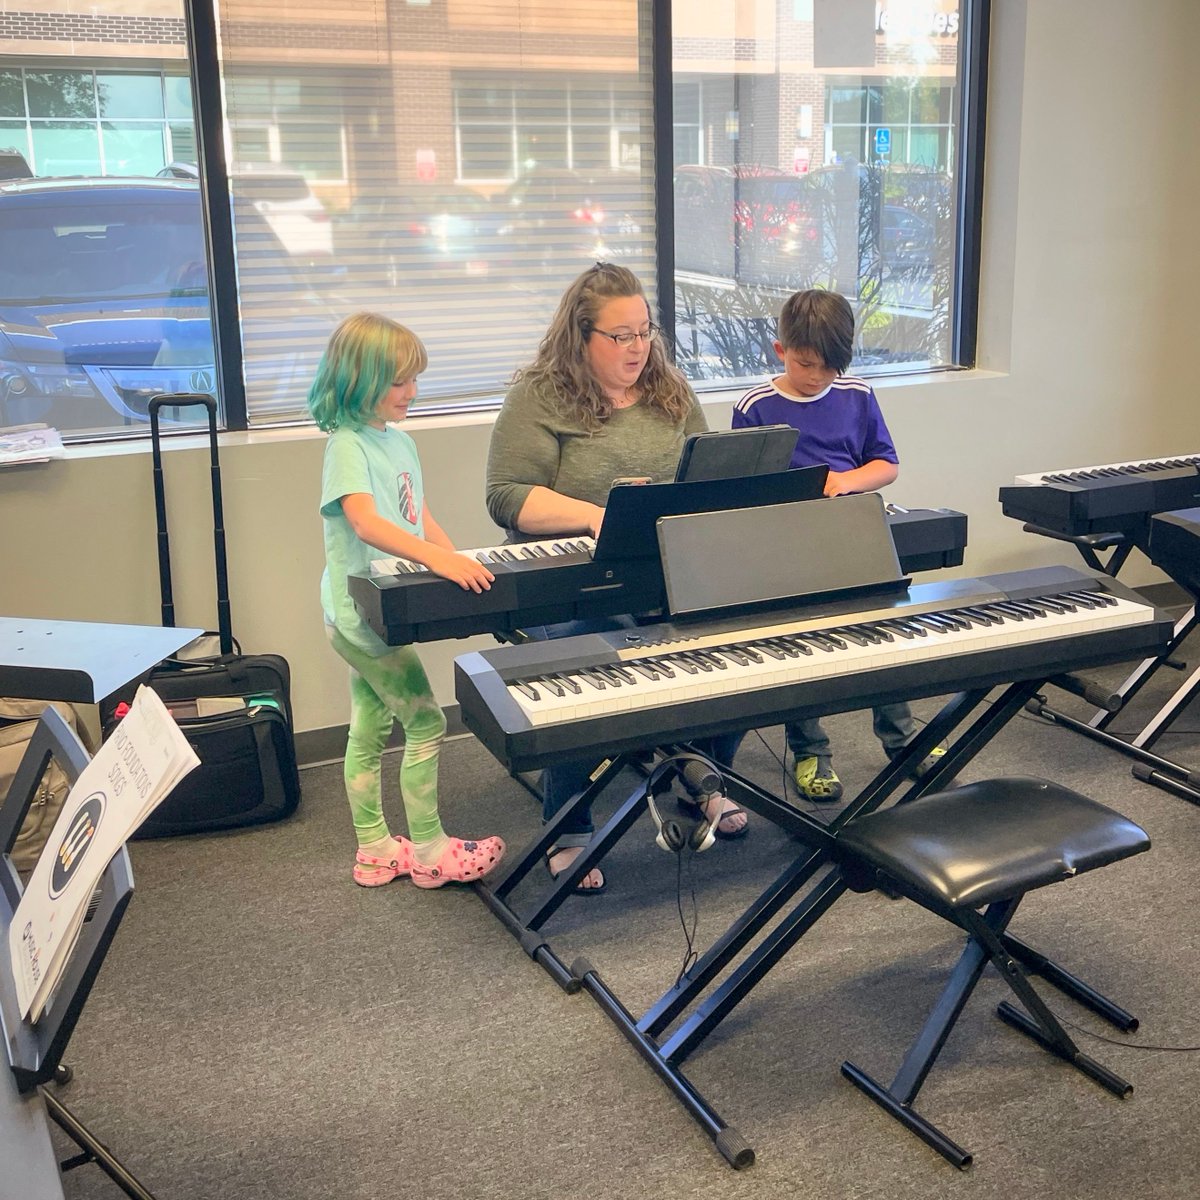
(407, 497)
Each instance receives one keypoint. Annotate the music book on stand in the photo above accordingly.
(134, 770)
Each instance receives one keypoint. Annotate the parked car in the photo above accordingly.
(295, 214)
(891, 214)
(104, 303)
(419, 231)
(564, 219)
(13, 164)
(750, 222)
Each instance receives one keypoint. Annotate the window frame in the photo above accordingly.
(201, 22)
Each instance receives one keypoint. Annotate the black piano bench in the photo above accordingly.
(969, 855)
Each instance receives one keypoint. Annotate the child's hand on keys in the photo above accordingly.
(464, 571)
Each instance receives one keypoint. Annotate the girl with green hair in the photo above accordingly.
(373, 504)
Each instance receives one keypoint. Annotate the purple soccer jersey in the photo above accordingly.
(841, 427)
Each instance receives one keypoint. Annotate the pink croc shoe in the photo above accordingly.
(370, 871)
(461, 862)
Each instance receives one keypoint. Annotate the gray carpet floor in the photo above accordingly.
(263, 1028)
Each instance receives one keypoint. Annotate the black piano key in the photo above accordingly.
(901, 628)
(957, 619)
(684, 664)
(593, 679)
(1009, 610)
(751, 652)
(820, 641)
(736, 654)
(569, 684)
(1029, 610)
(876, 633)
(528, 690)
(928, 622)
(1091, 599)
(851, 635)
(551, 684)
(772, 651)
(648, 669)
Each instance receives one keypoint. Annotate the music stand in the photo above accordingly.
(632, 510)
(35, 1049)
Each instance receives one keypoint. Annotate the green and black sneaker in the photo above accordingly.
(925, 765)
(816, 780)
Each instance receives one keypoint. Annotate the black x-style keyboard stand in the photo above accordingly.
(1151, 768)
(672, 1028)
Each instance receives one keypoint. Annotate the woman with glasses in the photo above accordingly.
(600, 402)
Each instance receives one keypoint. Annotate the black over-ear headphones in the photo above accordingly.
(701, 774)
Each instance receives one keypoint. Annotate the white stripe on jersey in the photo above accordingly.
(765, 390)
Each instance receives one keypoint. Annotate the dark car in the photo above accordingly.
(104, 302)
(751, 223)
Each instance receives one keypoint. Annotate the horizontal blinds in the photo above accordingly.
(452, 164)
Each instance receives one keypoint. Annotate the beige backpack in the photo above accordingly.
(18, 720)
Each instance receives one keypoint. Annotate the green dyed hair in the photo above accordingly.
(366, 353)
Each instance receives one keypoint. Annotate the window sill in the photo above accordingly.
(431, 422)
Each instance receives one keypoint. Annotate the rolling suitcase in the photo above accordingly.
(235, 709)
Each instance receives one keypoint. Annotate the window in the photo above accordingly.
(456, 164)
(792, 174)
(103, 268)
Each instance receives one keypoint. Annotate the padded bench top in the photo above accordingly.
(992, 840)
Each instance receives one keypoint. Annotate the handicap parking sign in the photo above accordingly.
(883, 142)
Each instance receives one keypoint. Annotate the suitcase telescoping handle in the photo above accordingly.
(224, 618)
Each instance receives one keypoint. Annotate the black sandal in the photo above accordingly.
(579, 889)
(694, 809)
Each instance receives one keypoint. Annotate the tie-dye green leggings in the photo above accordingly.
(393, 687)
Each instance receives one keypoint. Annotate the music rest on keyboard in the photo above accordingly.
(544, 702)
(1110, 498)
(544, 582)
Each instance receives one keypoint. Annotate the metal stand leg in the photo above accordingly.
(1168, 775)
(93, 1150)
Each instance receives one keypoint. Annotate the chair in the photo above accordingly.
(970, 855)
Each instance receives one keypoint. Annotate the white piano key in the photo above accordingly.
(515, 551)
(850, 658)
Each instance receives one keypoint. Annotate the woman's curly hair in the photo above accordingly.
(562, 365)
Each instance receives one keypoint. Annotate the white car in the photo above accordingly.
(296, 216)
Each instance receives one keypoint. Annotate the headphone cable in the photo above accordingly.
(690, 955)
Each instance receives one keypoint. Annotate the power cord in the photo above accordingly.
(1100, 1037)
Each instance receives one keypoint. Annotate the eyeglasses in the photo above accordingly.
(627, 339)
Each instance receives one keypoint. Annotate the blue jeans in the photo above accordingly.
(561, 782)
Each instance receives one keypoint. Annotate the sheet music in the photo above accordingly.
(143, 759)
(29, 444)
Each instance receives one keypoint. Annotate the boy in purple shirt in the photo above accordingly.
(840, 424)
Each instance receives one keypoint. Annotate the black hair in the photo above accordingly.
(822, 322)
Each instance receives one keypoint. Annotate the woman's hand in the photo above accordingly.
(466, 572)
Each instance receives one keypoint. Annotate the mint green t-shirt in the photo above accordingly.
(383, 462)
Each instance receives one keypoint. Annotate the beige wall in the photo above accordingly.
(1087, 301)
